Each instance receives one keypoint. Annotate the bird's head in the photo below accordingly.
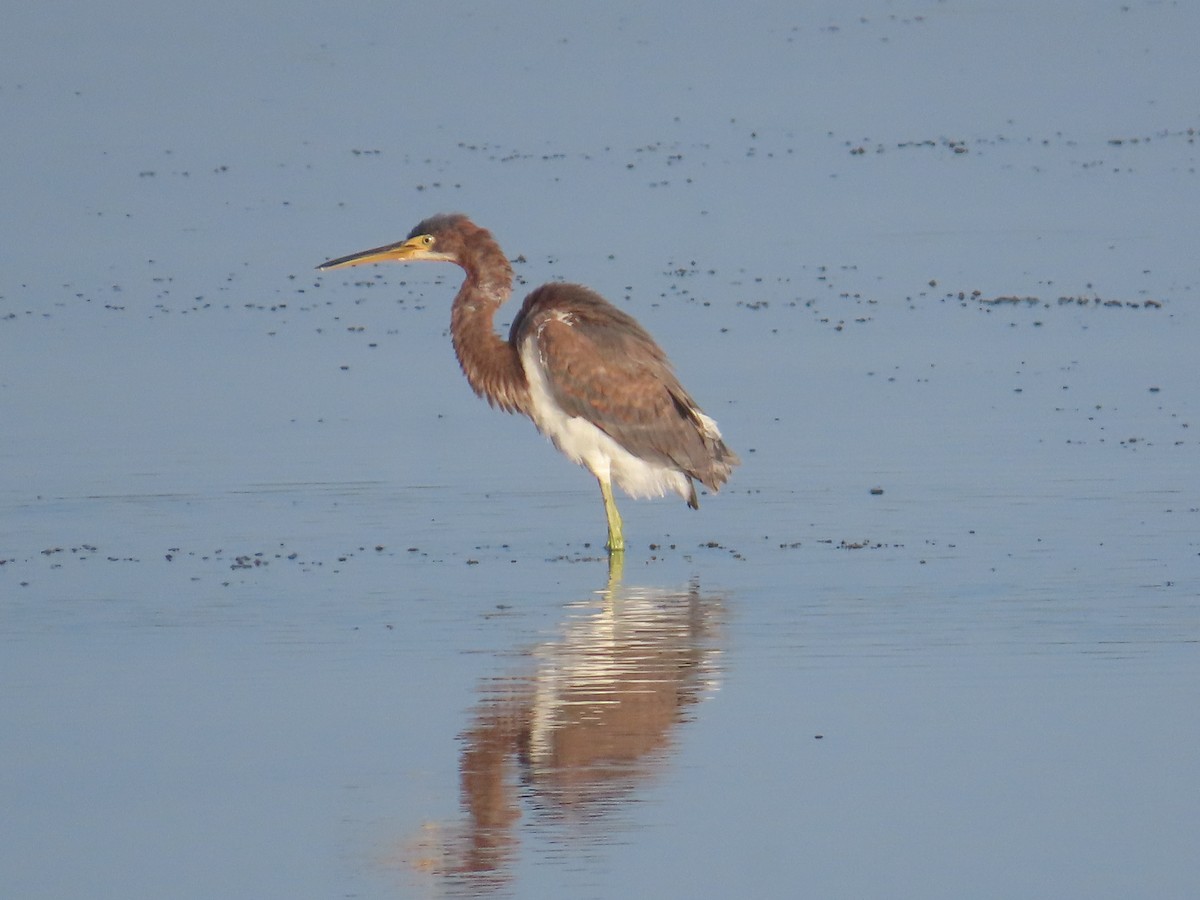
(439, 238)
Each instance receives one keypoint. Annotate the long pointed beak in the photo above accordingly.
(397, 252)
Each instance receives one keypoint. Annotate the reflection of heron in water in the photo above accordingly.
(573, 740)
(589, 376)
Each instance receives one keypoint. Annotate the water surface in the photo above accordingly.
(286, 611)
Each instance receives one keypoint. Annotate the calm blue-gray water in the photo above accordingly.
(285, 611)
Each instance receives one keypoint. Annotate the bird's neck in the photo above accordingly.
(491, 364)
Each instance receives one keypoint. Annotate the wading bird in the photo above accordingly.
(587, 374)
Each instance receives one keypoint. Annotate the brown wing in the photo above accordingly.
(604, 367)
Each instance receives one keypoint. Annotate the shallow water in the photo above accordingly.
(285, 611)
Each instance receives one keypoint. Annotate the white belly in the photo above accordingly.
(585, 444)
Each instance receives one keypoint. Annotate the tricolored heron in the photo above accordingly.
(587, 374)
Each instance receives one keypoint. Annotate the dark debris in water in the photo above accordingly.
(222, 559)
(1093, 301)
(860, 545)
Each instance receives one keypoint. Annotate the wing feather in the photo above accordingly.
(604, 367)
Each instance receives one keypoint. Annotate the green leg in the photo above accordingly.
(616, 568)
(616, 540)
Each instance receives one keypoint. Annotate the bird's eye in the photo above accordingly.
(427, 240)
